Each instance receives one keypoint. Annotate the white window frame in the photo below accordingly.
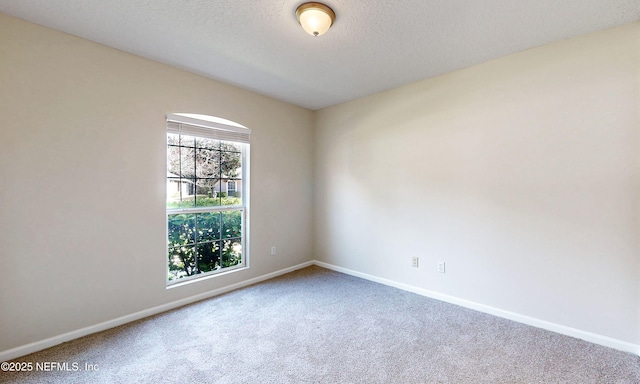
(224, 130)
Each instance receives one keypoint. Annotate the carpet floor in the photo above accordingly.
(320, 326)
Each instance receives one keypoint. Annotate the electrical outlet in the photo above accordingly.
(441, 267)
(273, 251)
(414, 262)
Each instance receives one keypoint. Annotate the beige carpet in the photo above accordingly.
(319, 326)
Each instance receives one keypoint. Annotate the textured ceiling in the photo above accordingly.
(373, 45)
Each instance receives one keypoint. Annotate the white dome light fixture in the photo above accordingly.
(315, 18)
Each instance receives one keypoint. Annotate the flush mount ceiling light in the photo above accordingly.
(315, 18)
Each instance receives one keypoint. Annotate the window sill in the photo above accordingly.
(207, 276)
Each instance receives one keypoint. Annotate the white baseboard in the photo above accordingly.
(53, 341)
(561, 329)
(557, 328)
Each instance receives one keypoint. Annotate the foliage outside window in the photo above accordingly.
(205, 223)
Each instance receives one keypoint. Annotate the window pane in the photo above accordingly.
(230, 165)
(174, 186)
(207, 196)
(208, 256)
(231, 224)
(231, 172)
(208, 227)
(173, 161)
(173, 138)
(182, 229)
(187, 141)
(234, 192)
(231, 252)
(208, 163)
(180, 193)
(230, 146)
(181, 262)
(187, 162)
(202, 142)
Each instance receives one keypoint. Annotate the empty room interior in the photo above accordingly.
(483, 156)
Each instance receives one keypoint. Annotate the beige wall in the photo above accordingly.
(82, 155)
(522, 174)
